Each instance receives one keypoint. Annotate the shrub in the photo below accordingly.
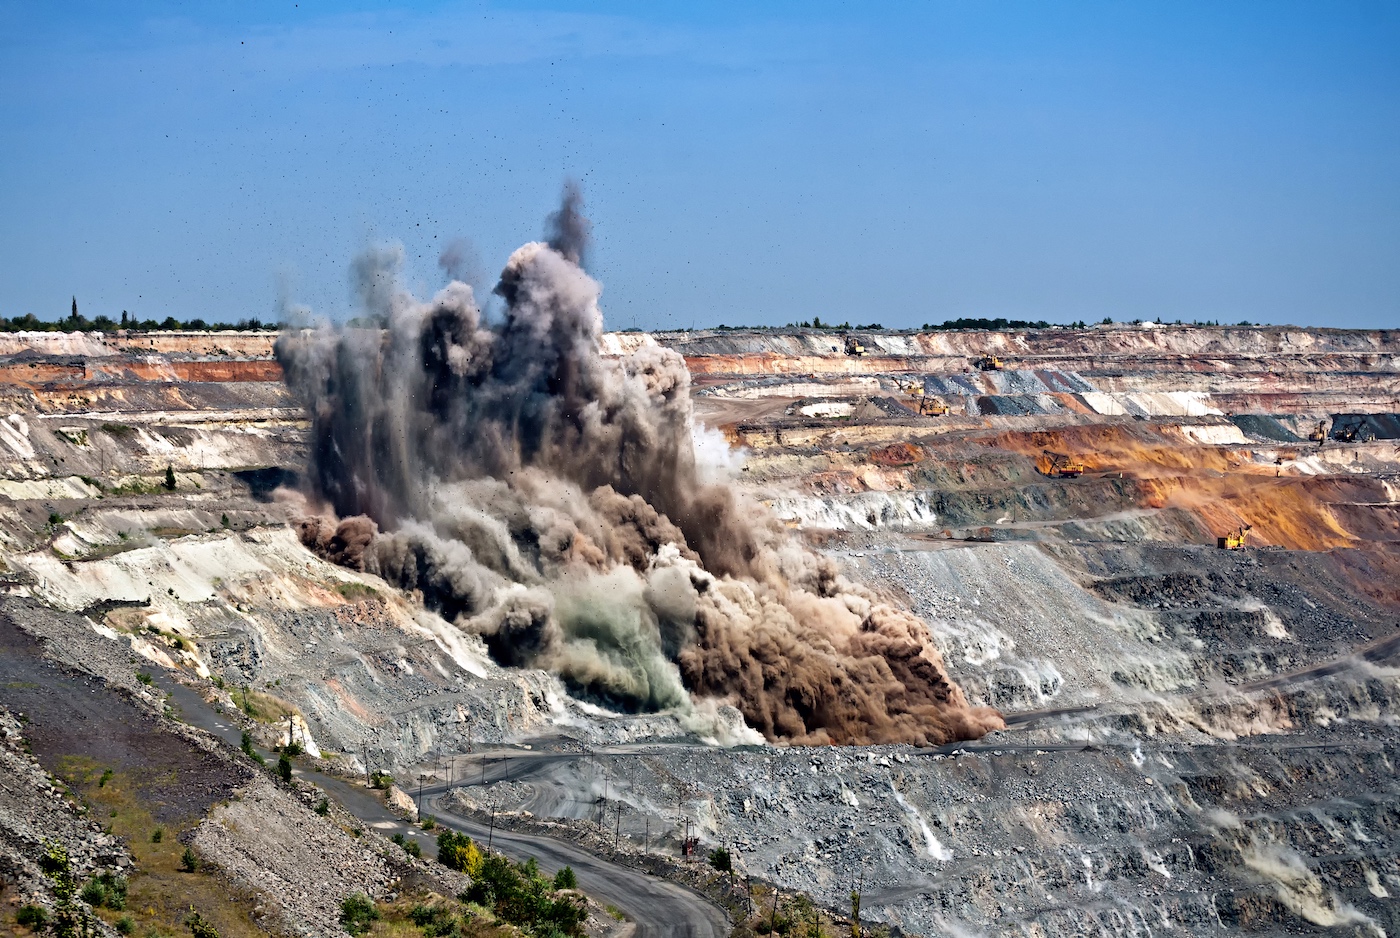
(55, 519)
(188, 861)
(565, 879)
(125, 925)
(518, 894)
(457, 852)
(169, 479)
(157, 835)
(382, 780)
(411, 848)
(436, 921)
(106, 777)
(32, 916)
(284, 768)
(108, 890)
(720, 860)
(200, 928)
(357, 913)
(323, 807)
(293, 749)
(144, 678)
(429, 822)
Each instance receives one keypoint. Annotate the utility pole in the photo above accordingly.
(617, 833)
(364, 749)
(420, 795)
(490, 834)
(646, 838)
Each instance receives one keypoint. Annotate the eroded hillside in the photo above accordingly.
(1199, 740)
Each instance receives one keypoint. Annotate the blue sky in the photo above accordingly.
(742, 163)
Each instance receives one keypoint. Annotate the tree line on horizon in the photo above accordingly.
(76, 322)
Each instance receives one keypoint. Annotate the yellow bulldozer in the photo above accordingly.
(990, 363)
(1063, 467)
(1234, 540)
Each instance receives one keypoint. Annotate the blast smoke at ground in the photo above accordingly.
(548, 499)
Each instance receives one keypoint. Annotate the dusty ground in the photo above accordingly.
(1200, 741)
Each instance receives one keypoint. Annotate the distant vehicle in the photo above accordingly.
(1234, 540)
(990, 363)
(927, 407)
(1063, 467)
(853, 346)
(1352, 428)
(1319, 432)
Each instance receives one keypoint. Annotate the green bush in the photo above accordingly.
(188, 861)
(357, 913)
(323, 807)
(32, 916)
(428, 822)
(199, 927)
(565, 879)
(106, 777)
(125, 925)
(108, 890)
(157, 835)
(412, 848)
(436, 921)
(720, 860)
(284, 768)
(382, 780)
(517, 893)
(452, 849)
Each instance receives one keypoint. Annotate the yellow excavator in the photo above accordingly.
(990, 363)
(927, 407)
(1234, 540)
(1063, 467)
(853, 347)
(1319, 432)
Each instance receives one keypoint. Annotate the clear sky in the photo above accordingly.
(742, 162)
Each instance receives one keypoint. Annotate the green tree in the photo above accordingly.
(169, 479)
(284, 768)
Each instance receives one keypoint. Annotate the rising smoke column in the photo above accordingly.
(548, 499)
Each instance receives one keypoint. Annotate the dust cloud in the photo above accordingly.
(549, 499)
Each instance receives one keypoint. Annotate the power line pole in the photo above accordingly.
(618, 832)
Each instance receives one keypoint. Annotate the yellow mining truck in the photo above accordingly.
(1234, 540)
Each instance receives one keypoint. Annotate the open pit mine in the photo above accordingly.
(1045, 633)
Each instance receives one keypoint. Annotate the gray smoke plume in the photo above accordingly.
(547, 498)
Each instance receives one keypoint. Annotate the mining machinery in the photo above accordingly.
(990, 363)
(1063, 467)
(927, 407)
(853, 347)
(1319, 432)
(1234, 540)
(1352, 428)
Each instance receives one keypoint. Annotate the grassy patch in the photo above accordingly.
(159, 893)
(354, 592)
(434, 916)
(263, 707)
(135, 485)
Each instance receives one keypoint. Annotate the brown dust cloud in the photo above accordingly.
(548, 498)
